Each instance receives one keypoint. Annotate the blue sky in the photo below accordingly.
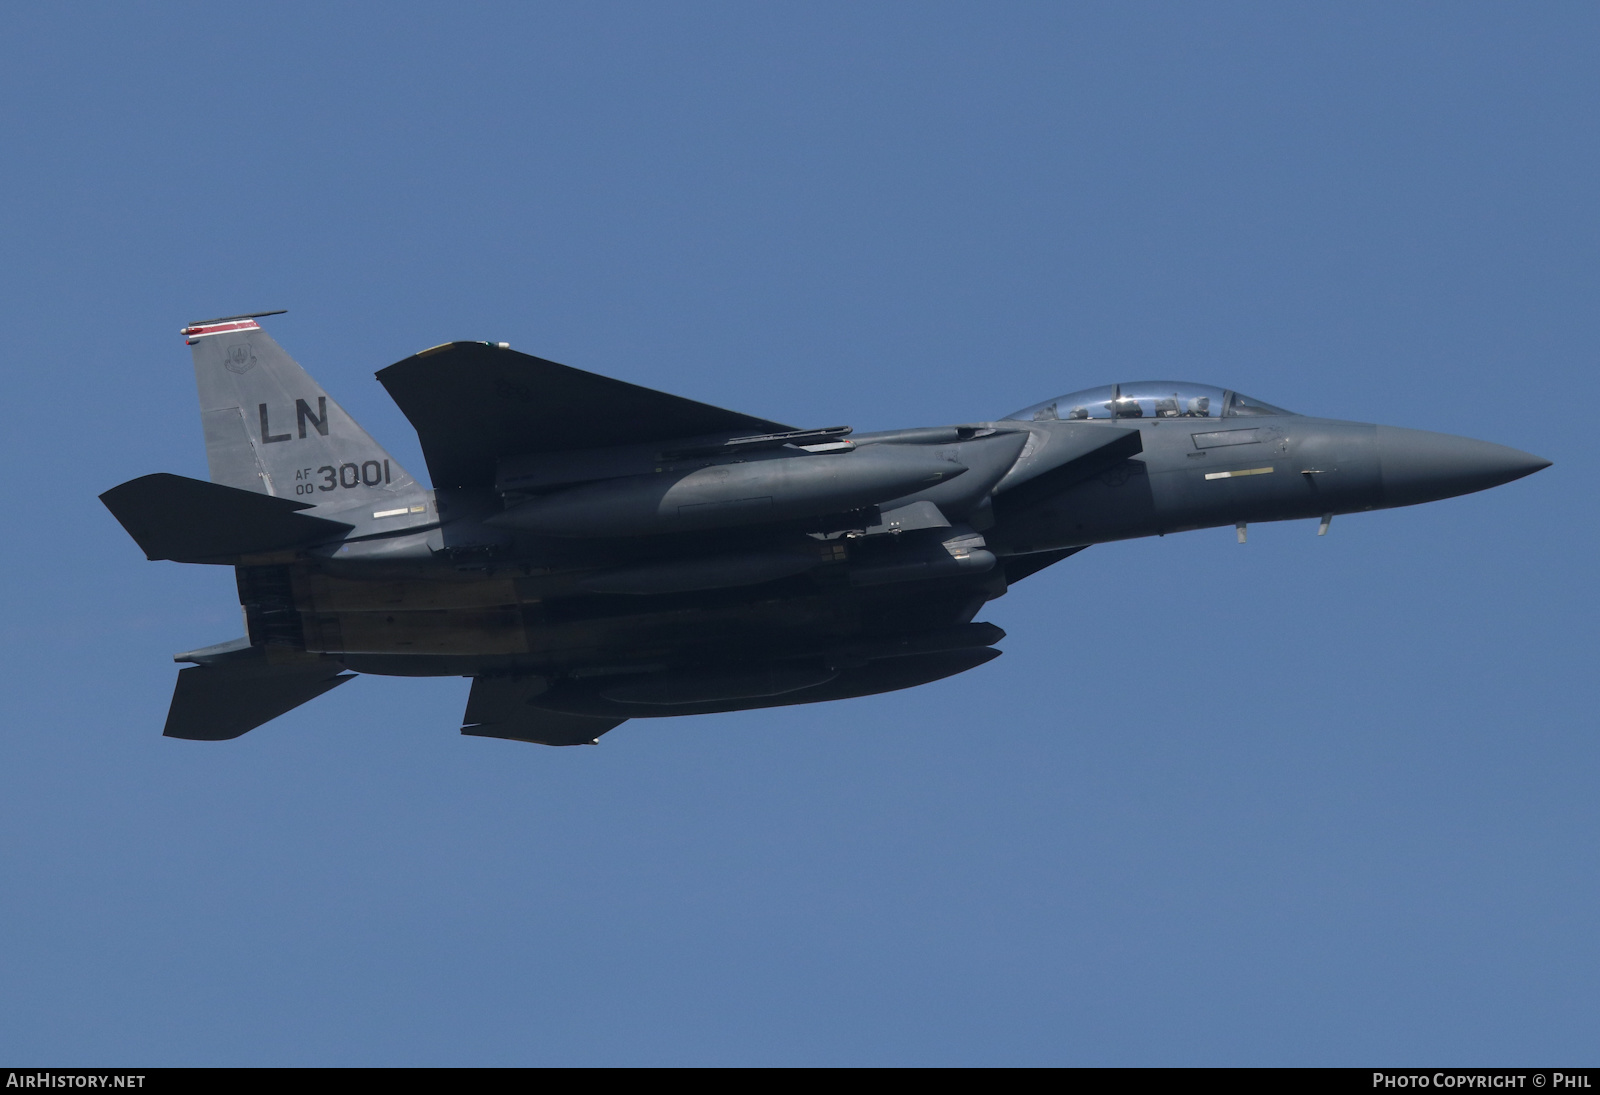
(1306, 800)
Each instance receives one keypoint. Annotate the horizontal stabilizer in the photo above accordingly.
(222, 701)
(473, 403)
(500, 707)
(190, 521)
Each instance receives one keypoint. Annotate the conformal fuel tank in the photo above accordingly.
(781, 488)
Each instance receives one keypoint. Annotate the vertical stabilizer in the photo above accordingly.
(270, 428)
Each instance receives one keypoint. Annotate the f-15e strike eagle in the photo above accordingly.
(592, 551)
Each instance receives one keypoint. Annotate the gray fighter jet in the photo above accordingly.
(592, 551)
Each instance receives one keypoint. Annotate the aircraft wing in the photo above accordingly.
(473, 403)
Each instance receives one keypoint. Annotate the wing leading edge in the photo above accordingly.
(473, 403)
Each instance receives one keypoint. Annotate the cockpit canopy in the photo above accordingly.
(1148, 399)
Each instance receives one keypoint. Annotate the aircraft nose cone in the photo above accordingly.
(1419, 466)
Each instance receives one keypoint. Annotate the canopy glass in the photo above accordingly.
(1147, 399)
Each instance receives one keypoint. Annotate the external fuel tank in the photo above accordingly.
(752, 492)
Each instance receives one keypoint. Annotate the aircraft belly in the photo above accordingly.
(462, 631)
(328, 593)
(692, 635)
(342, 615)
(887, 675)
(396, 627)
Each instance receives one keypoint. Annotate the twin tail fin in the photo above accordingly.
(272, 429)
